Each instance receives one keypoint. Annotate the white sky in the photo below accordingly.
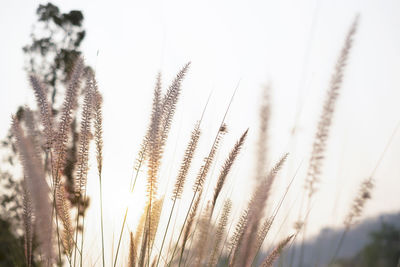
(292, 44)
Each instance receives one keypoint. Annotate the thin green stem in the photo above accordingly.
(120, 237)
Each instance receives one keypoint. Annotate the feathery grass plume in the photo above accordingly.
(28, 219)
(153, 142)
(140, 228)
(262, 148)
(235, 241)
(356, 209)
(98, 138)
(132, 251)
(227, 167)
(274, 255)
(163, 112)
(38, 187)
(143, 248)
(140, 232)
(32, 131)
(44, 108)
(63, 211)
(186, 162)
(180, 180)
(262, 233)
(257, 204)
(325, 121)
(155, 218)
(85, 136)
(69, 105)
(146, 231)
(189, 224)
(205, 168)
(223, 221)
(144, 147)
(98, 125)
(168, 104)
(202, 175)
(359, 201)
(142, 155)
(154, 159)
(202, 242)
(83, 155)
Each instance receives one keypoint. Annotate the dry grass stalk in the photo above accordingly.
(169, 101)
(154, 160)
(98, 138)
(33, 134)
(143, 249)
(205, 168)
(69, 105)
(155, 218)
(153, 142)
(235, 241)
(204, 224)
(190, 221)
(256, 213)
(223, 221)
(325, 121)
(132, 251)
(98, 125)
(263, 136)
(180, 180)
(63, 211)
(84, 137)
(356, 209)
(186, 162)
(274, 255)
(154, 261)
(44, 108)
(28, 219)
(140, 228)
(227, 167)
(262, 233)
(359, 202)
(37, 186)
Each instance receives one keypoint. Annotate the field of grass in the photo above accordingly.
(208, 233)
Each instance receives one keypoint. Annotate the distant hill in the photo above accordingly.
(319, 250)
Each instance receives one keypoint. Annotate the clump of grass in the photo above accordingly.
(47, 210)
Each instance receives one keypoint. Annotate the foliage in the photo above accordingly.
(382, 251)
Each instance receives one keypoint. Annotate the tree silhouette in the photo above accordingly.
(382, 251)
(56, 38)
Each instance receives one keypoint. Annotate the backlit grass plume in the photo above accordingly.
(39, 190)
(63, 211)
(274, 255)
(227, 167)
(223, 222)
(63, 132)
(186, 162)
(256, 209)
(85, 136)
(45, 109)
(28, 219)
(328, 110)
